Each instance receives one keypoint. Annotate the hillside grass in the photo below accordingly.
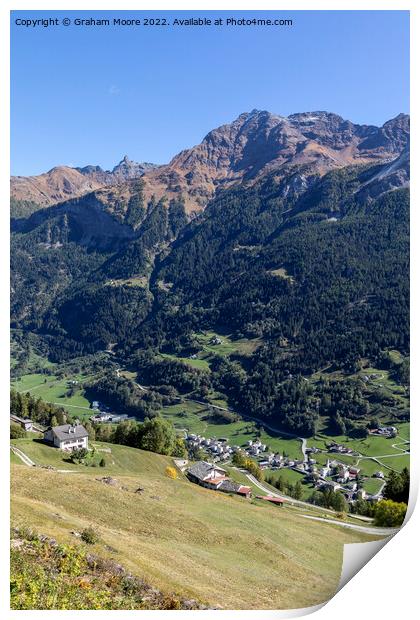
(221, 549)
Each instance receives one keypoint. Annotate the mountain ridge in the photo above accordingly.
(254, 144)
(65, 182)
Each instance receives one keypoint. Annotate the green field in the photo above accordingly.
(54, 390)
(220, 549)
(209, 350)
(373, 485)
(201, 364)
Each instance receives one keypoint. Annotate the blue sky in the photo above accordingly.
(84, 95)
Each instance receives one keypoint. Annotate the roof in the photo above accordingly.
(68, 431)
(270, 498)
(18, 419)
(229, 486)
(216, 479)
(202, 469)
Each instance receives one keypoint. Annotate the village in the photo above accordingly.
(208, 454)
(334, 474)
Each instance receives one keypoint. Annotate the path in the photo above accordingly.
(382, 531)
(29, 462)
(23, 457)
(76, 406)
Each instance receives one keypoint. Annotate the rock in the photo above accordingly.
(15, 543)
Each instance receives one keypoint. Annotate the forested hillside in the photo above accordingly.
(313, 266)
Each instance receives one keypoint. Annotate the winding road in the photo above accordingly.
(361, 528)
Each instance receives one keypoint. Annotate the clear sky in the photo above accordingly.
(89, 95)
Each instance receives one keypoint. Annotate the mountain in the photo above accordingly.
(292, 231)
(255, 144)
(259, 143)
(63, 182)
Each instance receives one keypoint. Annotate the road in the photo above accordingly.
(288, 499)
(360, 528)
(381, 531)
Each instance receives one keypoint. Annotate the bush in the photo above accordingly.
(389, 513)
(171, 472)
(89, 536)
(78, 456)
(16, 431)
(102, 462)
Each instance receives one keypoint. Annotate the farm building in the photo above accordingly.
(273, 500)
(67, 437)
(25, 423)
(213, 477)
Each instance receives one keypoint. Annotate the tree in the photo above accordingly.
(157, 435)
(239, 459)
(53, 421)
(280, 483)
(16, 431)
(389, 513)
(180, 451)
(397, 487)
(91, 431)
(297, 490)
(338, 502)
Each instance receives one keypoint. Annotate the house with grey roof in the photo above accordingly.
(67, 437)
(213, 477)
(25, 423)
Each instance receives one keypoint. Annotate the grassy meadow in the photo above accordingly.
(221, 549)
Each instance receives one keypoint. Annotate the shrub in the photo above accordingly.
(171, 472)
(102, 462)
(16, 431)
(89, 536)
(78, 456)
(389, 513)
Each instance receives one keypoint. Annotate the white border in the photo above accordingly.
(387, 586)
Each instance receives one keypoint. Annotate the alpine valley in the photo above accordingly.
(251, 300)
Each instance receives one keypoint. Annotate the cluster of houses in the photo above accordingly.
(109, 418)
(384, 431)
(254, 448)
(338, 447)
(103, 414)
(218, 449)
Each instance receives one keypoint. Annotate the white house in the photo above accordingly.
(67, 437)
(25, 423)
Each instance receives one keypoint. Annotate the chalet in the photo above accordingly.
(67, 437)
(25, 423)
(214, 477)
(353, 472)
